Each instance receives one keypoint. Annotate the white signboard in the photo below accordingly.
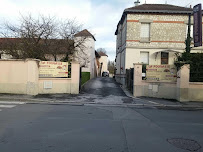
(52, 69)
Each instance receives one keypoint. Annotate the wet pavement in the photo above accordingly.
(105, 120)
(105, 91)
(97, 128)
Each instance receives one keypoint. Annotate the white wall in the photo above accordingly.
(22, 77)
(104, 60)
(133, 56)
(86, 57)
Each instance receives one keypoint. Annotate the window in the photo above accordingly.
(145, 32)
(164, 58)
(144, 57)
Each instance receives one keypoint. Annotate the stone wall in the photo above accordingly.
(166, 31)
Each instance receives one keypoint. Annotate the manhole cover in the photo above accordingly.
(186, 144)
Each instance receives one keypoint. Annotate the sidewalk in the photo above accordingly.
(78, 100)
(165, 102)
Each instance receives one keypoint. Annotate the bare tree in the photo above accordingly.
(111, 66)
(28, 37)
(35, 38)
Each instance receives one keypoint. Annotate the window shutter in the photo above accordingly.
(144, 57)
(144, 30)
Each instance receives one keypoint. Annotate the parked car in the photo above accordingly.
(105, 74)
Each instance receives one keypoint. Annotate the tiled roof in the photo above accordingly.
(97, 54)
(85, 32)
(102, 54)
(4, 40)
(159, 8)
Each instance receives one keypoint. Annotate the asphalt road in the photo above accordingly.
(98, 128)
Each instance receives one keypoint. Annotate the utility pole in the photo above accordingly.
(189, 39)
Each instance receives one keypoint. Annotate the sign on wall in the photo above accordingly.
(52, 69)
(197, 29)
(167, 73)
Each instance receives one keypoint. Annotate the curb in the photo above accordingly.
(54, 102)
(24, 100)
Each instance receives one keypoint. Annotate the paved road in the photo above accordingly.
(98, 127)
(64, 128)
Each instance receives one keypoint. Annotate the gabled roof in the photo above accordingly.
(159, 8)
(84, 32)
(102, 54)
(97, 54)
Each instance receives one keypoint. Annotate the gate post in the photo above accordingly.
(137, 86)
(183, 78)
(75, 77)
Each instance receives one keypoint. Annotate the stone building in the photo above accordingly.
(151, 34)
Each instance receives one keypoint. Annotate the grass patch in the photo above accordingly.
(85, 77)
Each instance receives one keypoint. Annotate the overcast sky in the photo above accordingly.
(100, 17)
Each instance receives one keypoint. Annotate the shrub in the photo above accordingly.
(196, 65)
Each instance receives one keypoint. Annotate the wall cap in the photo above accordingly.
(137, 64)
(197, 83)
(25, 60)
(75, 62)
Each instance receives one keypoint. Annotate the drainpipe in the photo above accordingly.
(101, 69)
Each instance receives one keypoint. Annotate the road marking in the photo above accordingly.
(11, 102)
(7, 106)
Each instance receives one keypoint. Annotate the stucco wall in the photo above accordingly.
(62, 85)
(104, 60)
(182, 90)
(22, 77)
(133, 56)
(196, 91)
(19, 76)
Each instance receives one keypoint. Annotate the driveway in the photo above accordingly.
(104, 90)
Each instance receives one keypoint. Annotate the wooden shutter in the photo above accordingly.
(144, 57)
(144, 30)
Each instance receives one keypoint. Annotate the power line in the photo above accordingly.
(189, 3)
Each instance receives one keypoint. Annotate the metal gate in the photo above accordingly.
(129, 79)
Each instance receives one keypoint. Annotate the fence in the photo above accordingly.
(129, 79)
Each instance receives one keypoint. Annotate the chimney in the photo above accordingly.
(137, 3)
